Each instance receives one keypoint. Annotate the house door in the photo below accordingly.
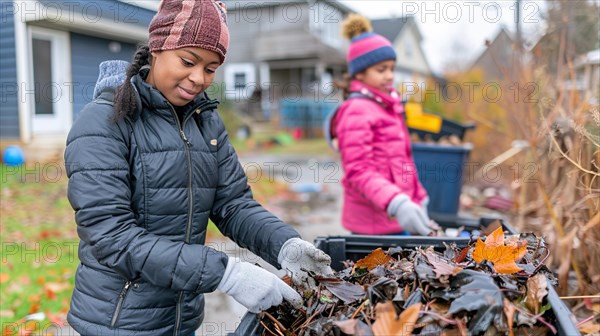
(49, 92)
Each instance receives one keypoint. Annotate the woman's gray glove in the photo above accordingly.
(299, 257)
(255, 288)
(411, 217)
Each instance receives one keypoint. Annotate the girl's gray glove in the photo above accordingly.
(255, 288)
(425, 203)
(411, 217)
(299, 257)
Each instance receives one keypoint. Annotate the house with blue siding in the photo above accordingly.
(49, 57)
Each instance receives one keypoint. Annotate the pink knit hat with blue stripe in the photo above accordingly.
(366, 48)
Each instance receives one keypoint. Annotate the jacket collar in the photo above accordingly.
(389, 101)
(152, 99)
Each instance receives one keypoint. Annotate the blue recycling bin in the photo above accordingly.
(440, 169)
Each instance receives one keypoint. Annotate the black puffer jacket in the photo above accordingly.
(143, 190)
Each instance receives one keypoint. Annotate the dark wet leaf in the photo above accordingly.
(354, 327)
(425, 271)
(382, 290)
(431, 329)
(414, 298)
(345, 291)
(379, 271)
(395, 250)
(472, 291)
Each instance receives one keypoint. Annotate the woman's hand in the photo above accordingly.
(301, 259)
(256, 288)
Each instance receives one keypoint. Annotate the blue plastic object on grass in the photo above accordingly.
(13, 156)
(440, 169)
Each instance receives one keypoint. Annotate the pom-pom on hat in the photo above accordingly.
(189, 23)
(366, 47)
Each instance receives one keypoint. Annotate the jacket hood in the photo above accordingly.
(389, 101)
(112, 75)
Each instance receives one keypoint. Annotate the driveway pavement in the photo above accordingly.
(315, 212)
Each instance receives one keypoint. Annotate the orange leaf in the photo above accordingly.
(503, 257)
(388, 324)
(376, 258)
(4, 277)
(35, 307)
(496, 238)
(50, 294)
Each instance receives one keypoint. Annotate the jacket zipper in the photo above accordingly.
(188, 227)
(120, 304)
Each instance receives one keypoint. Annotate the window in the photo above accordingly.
(42, 76)
(239, 80)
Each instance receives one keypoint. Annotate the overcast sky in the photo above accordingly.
(449, 26)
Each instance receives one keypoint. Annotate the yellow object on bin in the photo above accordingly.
(417, 119)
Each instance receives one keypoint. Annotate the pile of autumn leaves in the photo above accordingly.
(497, 285)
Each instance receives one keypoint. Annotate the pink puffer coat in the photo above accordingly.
(376, 158)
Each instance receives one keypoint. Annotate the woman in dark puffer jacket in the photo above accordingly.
(149, 163)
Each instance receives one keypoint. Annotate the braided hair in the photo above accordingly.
(125, 102)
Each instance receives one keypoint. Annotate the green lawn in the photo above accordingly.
(39, 241)
(303, 147)
(39, 247)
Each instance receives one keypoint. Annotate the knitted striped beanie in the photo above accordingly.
(189, 23)
(366, 47)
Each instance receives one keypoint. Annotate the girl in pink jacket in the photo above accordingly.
(382, 192)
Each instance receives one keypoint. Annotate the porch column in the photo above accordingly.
(265, 86)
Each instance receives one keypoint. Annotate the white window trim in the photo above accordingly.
(249, 70)
(61, 56)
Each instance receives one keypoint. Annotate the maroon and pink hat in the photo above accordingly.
(188, 23)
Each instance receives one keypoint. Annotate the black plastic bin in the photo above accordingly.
(355, 247)
(440, 169)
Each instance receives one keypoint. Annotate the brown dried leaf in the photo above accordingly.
(537, 289)
(441, 266)
(387, 324)
(461, 256)
(509, 311)
(493, 226)
(374, 259)
(589, 327)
